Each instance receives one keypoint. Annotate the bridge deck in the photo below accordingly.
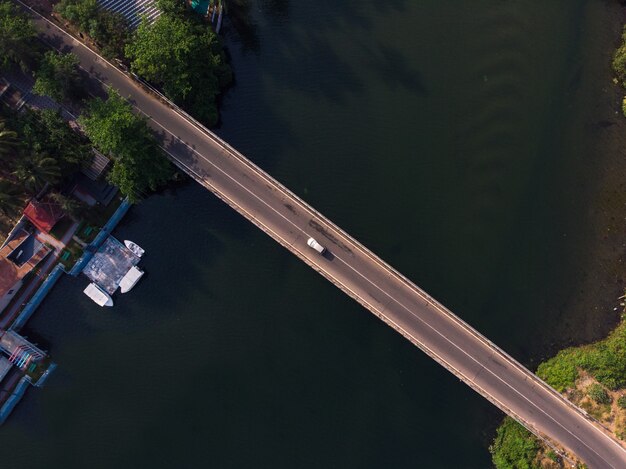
(357, 271)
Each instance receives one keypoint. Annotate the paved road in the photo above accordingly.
(358, 272)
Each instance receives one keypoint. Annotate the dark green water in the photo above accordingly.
(436, 132)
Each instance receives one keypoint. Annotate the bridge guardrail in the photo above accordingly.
(363, 250)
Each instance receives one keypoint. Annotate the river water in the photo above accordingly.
(458, 140)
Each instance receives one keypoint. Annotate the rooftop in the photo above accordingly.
(18, 256)
(98, 165)
(43, 214)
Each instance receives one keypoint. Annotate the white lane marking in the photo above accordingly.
(75, 41)
(387, 294)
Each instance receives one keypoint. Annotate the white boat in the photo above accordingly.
(134, 248)
(130, 279)
(98, 295)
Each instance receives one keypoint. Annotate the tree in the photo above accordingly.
(183, 57)
(138, 163)
(17, 37)
(514, 447)
(46, 131)
(8, 140)
(168, 7)
(11, 201)
(108, 29)
(619, 60)
(34, 171)
(58, 76)
(73, 207)
(598, 394)
(79, 12)
(111, 31)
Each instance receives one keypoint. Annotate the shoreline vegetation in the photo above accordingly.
(178, 53)
(591, 376)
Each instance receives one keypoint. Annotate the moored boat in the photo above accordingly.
(134, 248)
(98, 295)
(130, 279)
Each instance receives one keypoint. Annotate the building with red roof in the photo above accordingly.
(43, 214)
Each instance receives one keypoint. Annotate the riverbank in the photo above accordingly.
(591, 376)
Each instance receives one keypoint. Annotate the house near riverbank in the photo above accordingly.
(18, 257)
(43, 214)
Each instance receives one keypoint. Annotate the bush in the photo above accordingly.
(624, 106)
(109, 30)
(58, 77)
(185, 58)
(514, 447)
(619, 60)
(17, 38)
(604, 360)
(138, 163)
(559, 372)
(598, 394)
(621, 402)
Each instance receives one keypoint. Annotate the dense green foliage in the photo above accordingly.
(43, 150)
(621, 402)
(71, 206)
(17, 38)
(604, 360)
(619, 60)
(11, 199)
(177, 7)
(48, 133)
(35, 170)
(514, 447)
(598, 393)
(8, 140)
(58, 76)
(139, 164)
(109, 30)
(184, 57)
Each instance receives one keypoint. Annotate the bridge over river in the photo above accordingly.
(354, 269)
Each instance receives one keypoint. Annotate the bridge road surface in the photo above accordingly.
(355, 270)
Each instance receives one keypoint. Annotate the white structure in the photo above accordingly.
(98, 295)
(132, 10)
(134, 248)
(130, 279)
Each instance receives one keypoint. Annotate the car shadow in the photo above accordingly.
(328, 255)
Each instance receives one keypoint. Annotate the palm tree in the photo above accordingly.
(34, 171)
(8, 140)
(11, 200)
(73, 207)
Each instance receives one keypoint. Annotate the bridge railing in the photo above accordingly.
(199, 126)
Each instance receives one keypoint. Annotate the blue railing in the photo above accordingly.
(99, 239)
(45, 375)
(38, 297)
(10, 403)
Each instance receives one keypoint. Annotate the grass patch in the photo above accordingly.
(514, 447)
(605, 360)
(75, 250)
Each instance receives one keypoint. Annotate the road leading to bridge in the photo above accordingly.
(356, 270)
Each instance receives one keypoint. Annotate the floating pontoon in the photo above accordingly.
(130, 279)
(98, 295)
